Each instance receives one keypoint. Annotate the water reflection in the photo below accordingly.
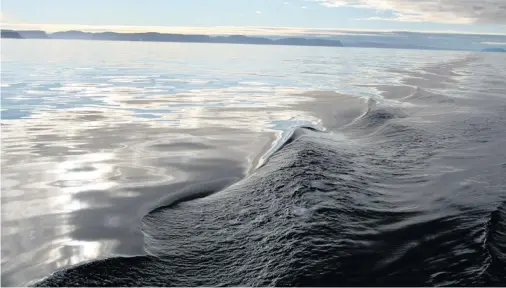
(93, 134)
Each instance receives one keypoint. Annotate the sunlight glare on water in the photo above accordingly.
(94, 133)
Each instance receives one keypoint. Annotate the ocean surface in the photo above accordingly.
(165, 164)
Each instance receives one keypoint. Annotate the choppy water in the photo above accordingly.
(108, 150)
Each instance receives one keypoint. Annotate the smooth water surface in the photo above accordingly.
(95, 135)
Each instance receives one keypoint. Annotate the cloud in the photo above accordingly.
(442, 11)
(303, 7)
(259, 12)
(4, 18)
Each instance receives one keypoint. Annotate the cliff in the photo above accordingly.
(10, 34)
(162, 37)
(33, 34)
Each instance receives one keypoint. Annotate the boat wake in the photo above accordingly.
(388, 195)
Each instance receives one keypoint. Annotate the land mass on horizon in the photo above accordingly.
(9, 34)
(407, 40)
(163, 37)
(494, 49)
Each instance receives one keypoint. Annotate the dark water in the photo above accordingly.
(406, 191)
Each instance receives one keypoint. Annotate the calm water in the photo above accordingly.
(404, 165)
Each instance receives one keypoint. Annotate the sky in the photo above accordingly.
(260, 17)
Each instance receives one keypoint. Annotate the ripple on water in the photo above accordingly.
(81, 170)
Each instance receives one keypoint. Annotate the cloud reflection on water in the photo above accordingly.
(98, 132)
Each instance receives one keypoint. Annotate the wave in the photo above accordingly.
(496, 246)
(308, 217)
(386, 196)
(375, 117)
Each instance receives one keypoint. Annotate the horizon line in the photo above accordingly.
(225, 30)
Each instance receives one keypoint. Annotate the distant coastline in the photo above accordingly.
(405, 40)
(494, 49)
(162, 37)
(9, 34)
